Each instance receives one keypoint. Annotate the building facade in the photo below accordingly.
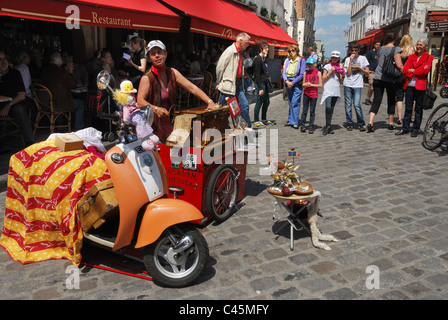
(305, 10)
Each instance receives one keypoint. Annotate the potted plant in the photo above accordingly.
(253, 6)
(264, 12)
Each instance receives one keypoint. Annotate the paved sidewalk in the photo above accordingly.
(383, 196)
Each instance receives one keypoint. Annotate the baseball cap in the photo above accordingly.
(155, 43)
(311, 60)
(336, 54)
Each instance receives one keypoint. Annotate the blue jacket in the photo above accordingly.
(301, 68)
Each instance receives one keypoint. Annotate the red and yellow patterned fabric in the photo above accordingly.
(44, 186)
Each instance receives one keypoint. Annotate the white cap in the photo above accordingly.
(155, 43)
(336, 54)
(127, 87)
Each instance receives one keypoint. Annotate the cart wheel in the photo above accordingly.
(222, 191)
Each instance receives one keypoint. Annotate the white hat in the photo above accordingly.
(155, 43)
(127, 87)
(336, 54)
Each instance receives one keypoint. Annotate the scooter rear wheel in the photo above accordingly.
(177, 270)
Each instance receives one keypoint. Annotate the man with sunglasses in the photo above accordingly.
(356, 68)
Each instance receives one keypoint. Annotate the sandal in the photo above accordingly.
(390, 127)
(399, 122)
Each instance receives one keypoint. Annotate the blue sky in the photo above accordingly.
(332, 18)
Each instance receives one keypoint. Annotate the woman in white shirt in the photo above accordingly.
(332, 77)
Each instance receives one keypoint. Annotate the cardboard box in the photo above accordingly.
(99, 203)
(68, 142)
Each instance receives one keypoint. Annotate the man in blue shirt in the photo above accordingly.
(372, 57)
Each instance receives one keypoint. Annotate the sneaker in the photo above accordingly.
(268, 123)
(326, 130)
(370, 128)
(362, 128)
(349, 127)
(311, 130)
(330, 131)
(259, 124)
(302, 129)
(368, 102)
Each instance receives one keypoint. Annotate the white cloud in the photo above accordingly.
(332, 30)
(332, 8)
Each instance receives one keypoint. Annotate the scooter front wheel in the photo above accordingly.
(178, 258)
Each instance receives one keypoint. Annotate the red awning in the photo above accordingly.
(371, 36)
(130, 14)
(226, 19)
(438, 16)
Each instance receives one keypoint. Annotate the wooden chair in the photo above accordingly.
(9, 128)
(207, 83)
(44, 103)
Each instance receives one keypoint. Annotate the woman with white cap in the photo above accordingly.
(158, 89)
(332, 77)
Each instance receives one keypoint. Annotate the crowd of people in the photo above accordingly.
(20, 68)
(145, 66)
(302, 78)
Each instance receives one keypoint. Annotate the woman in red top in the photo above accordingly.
(416, 70)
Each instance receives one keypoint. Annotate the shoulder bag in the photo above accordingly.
(430, 97)
(389, 68)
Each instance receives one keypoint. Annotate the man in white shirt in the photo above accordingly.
(356, 67)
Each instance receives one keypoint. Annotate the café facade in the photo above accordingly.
(83, 26)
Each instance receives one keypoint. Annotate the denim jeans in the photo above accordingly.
(242, 101)
(353, 96)
(79, 114)
(330, 102)
(311, 104)
(294, 95)
(262, 103)
(412, 95)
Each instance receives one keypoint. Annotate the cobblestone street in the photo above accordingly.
(384, 197)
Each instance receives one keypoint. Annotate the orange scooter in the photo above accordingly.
(174, 252)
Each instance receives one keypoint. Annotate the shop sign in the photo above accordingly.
(439, 26)
(110, 21)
